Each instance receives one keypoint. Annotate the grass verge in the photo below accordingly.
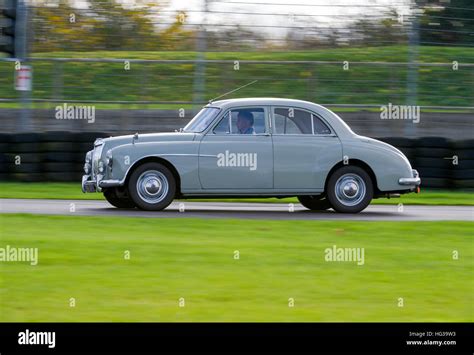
(83, 258)
(326, 83)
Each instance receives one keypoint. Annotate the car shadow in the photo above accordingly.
(254, 214)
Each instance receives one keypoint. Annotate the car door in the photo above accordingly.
(305, 149)
(233, 158)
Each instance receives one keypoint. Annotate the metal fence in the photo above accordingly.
(324, 55)
(173, 82)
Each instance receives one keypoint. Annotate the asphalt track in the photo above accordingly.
(189, 209)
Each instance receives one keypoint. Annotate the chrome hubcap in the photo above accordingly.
(152, 186)
(350, 189)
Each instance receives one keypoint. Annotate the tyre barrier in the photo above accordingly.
(48, 156)
(59, 157)
(442, 163)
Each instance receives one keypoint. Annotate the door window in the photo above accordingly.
(248, 120)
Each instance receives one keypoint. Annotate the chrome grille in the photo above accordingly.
(96, 154)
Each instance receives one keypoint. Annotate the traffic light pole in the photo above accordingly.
(200, 64)
(21, 53)
(412, 71)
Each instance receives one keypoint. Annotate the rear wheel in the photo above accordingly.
(350, 189)
(119, 199)
(315, 203)
(152, 186)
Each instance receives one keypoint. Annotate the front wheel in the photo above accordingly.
(349, 189)
(118, 199)
(152, 186)
(315, 203)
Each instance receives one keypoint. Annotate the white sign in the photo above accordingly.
(23, 78)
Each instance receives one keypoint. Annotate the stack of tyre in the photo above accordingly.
(429, 155)
(21, 158)
(64, 154)
(59, 153)
(49, 156)
(442, 163)
(434, 162)
(463, 172)
(4, 167)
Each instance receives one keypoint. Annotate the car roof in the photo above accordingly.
(260, 101)
(342, 129)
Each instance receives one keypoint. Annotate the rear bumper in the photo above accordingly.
(413, 181)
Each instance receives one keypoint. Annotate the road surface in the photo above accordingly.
(238, 210)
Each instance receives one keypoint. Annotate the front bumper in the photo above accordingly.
(93, 181)
(413, 181)
(90, 185)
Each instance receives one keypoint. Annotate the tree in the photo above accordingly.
(455, 19)
(105, 25)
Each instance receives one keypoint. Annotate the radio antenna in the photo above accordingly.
(230, 92)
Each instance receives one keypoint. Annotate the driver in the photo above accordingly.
(245, 122)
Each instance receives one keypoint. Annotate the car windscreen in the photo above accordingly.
(202, 120)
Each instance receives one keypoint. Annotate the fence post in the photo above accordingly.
(412, 70)
(21, 52)
(200, 66)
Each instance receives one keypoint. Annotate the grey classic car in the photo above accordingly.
(255, 147)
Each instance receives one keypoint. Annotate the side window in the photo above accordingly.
(292, 121)
(248, 120)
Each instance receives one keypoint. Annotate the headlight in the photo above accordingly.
(88, 163)
(101, 167)
(89, 157)
(108, 158)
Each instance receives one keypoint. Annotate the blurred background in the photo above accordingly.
(148, 66)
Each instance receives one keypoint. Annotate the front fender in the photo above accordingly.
(183, 156)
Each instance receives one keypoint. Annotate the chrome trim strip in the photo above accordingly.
(183, 154)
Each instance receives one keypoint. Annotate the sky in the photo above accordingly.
(272, 18)
(278, 15)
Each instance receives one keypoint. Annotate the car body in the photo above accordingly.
(255, 147)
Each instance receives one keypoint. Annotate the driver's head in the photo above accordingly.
(244, 120)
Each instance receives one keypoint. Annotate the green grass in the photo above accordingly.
(395, 53)
(72, 191)
(323, 83)
(49, 190)
(83, 258)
